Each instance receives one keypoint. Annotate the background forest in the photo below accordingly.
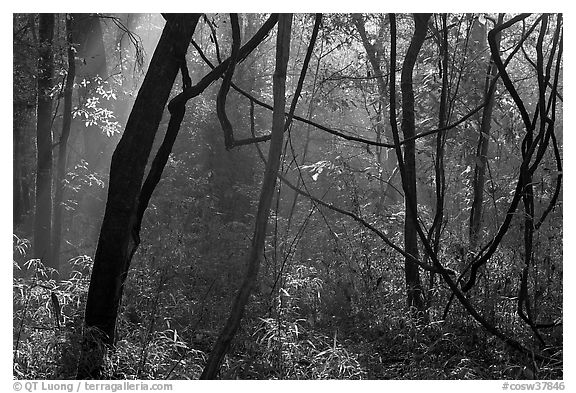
(306, 196)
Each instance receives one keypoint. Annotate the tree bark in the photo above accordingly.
(63, 143)
(266, 194)
(24, 111)
(43, 215)
(17, 172)
(435, 231)
(482, 151)
(408, 126)
(311, 108)
(117, 237)
(374, 53)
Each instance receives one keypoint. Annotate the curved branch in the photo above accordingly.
(526, 170)
(266, 194)
(213, 37)
(492, 41)
(177, 108)
(347, 213)
(219, 70)
(443, 271)
(543, 81)
(554, 199)
(329, 130)
(317, 22)
(225, 87)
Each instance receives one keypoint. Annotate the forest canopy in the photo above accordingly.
(288, 196)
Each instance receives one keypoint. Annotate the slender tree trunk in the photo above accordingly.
(93, 142)
(23, 110)
(23, 142)
(414, 287)
(17, 175)
(43, 216)
(63, 143)
(88, 36)
(482, 151)
(118, 237)
(308, 128)
(386, 159)
(440, 179)
(266, 194)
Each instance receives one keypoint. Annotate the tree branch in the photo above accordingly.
(225, 87)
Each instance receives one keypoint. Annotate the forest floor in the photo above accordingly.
(438, 353)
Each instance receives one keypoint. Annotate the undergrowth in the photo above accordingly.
(47, 332)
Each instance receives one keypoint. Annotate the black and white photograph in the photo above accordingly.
(287, 196)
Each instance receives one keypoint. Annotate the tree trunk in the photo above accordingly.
(96, 146)
(386, 159)
(266, 195)
(118, 237)
(92, 63)
(43, 216)
(24, 112)
(440, 178)
(414, 287)
(63, 143)
(482, 151)
(17, 173)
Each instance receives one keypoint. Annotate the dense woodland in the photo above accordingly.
(287, 196)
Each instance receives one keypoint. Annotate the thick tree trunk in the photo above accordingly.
(266, 195)
(63, 144)
(118, 237)
(482, 151)
(43, 216)
(414, 287)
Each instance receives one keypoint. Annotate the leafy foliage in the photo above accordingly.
(330, 301)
